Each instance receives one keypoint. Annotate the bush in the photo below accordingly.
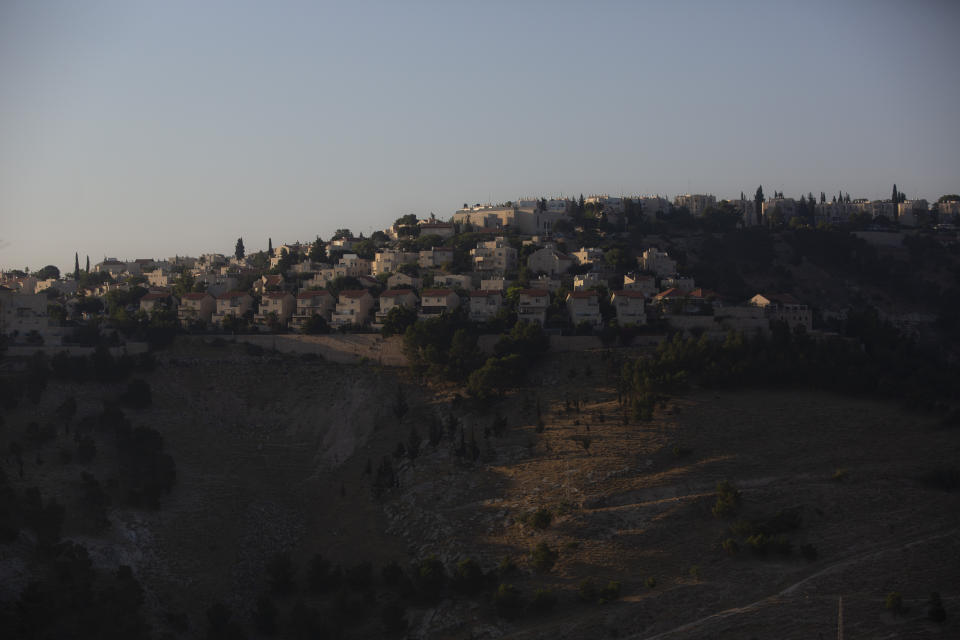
(651, 582)
(137, 395)
(840, 474)
(587, 591)
(431, 577)
(281, 574)
(730, 546)
(543, 557)
(935, 610)
(394, 618)
(610, 592)
(508, 601)
(894, 603)
(809, 552)
(728, 500)
(507, 567)
(468, 577)
(543, 600)
(541, 518)
(321, 576)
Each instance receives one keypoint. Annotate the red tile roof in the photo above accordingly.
(437, 292)
(627, 293)
(195, 296)
(484, 294)
(672, 292)
(232, 294)
(354, 293)
(393, 293)
(304, 295)
(534, 293)
(582, 294)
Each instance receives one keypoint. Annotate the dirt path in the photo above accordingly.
(728, 613)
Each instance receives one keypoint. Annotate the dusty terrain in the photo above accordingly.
(271, 455)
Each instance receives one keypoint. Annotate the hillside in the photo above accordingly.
(280, 454)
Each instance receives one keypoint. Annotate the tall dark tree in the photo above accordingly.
(895, 197)
(76, 266)
(270, 246)
(239, 250)
(758, 201)
(318, 252)
(88, 264)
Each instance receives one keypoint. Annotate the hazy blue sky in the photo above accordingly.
(144, 129)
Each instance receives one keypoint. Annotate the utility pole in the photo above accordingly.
(840, 619)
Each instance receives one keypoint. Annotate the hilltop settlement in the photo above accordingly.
(609, 266)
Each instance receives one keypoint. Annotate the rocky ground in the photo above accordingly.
(272, 455)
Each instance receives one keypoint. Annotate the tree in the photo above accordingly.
(758, 200)
(270, 246)
(239, 251)
(342, 233)
(76, 266)
(895, 196)
(88, 264)
(318, 252)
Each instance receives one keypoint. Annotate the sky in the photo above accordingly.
(144, 129)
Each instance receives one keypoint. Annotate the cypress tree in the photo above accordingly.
(88, 264)
(239, 251)
(76, 266)
(270, 246)
(895, 197)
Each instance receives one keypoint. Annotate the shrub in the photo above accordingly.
(394, 618)
(281, 574)
(587, 591)
(543, 557)
(695, 572)
(610, 592)
(431, 577)
(840, 474)
(728, 500)
(935, 610)
(541, 518)
(543, 600)
(508, 601)
(507, 567)
(894, 603)
(468, 577)
(651, 582)
(730, 546)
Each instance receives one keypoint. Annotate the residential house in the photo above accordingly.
(678, 302)
(432, 228)
(584, 306)
(112, 266)
(312, 303)
(544, 281)
(402, 280)
(268, 282)
(394, 298)
(696, 203)
(435, 257)
(587, 255)
(156, 300)
(389, 260)
(353, 308)
(160, 277)
(275, 304)
(196, 307)
(532, 305)
(550, 261)
(494, 255)
(494, 284)
(216, 285)
(785, 308)
(588, 281)
(25, 314)
(453, 281)
(640, 282)
(659, 262)
(434, 302)
(232, 303)
(630, 307)
(683, 283)
(485, 305)
(352, 265)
